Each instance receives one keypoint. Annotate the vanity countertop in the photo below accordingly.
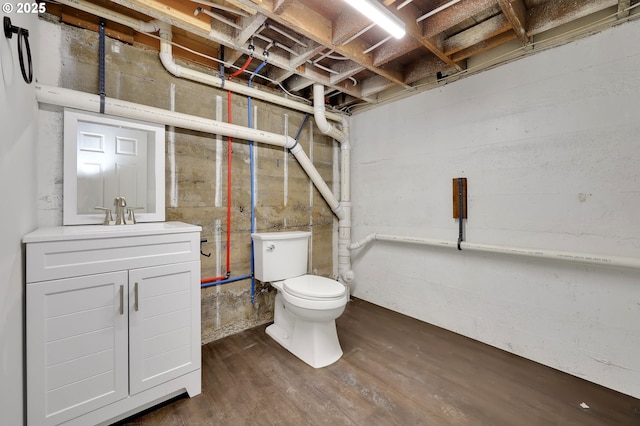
(83, 232)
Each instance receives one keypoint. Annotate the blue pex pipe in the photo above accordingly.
(228, 280)
(253, 186)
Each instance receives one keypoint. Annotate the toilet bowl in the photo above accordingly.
(306, 306)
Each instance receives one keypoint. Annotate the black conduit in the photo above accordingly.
(101, 67)
(23, 40)
(222, 65)
(304, 121)
(306, 118)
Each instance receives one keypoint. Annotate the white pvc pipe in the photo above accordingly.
(179, 71)
(88, 102)
(598, 259)
(317, 180)
(166, 57)
(320, 115)
(344, 224)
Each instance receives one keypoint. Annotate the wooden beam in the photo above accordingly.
(280, 74)
(409, 14)
(516, 13)
(181, 13)
(483, 31)
(280, 5)
(623, 5)
(485, 45)
(93, 23)
(249, 26)
(250, 10)
(311, 24)
(345, 70)
(303, 54)
(423, 68)
(394, 49)
(555, 13)
(349, 23)
(454, 15)
(375, 84)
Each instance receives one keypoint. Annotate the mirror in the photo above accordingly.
(106, 157)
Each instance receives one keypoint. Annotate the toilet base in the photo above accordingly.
(314, 343)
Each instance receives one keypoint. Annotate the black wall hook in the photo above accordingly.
(23, 39)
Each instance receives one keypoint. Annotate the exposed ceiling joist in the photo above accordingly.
(328, 42)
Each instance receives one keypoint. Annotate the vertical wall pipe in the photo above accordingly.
(253, 190)
(344, 219)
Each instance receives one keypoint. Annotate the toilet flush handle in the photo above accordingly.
(271, 247)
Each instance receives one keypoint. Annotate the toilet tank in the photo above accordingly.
(280, 255)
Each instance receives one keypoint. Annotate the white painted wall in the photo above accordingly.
(551, 147)
(19, 130)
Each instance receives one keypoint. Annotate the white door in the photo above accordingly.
(164, 323)
(112, 162)
(76, 346)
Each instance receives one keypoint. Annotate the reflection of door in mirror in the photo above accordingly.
(106, 157)
(112, 162)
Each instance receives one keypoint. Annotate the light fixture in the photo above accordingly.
(380, 16)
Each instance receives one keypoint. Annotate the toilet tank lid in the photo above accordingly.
(314, 286)
(287, 235)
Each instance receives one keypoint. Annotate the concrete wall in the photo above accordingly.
(196, 168)
(19, 124)
(550, 147)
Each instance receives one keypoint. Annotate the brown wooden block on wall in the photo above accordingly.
(456, 198)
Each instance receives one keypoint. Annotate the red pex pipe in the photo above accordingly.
(244, 67)
(212, 279)
(229, 180)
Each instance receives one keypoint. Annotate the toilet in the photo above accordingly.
(306, 306)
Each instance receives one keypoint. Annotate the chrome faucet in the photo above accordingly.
(120, 204)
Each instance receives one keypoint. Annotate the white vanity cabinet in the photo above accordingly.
(112, 320)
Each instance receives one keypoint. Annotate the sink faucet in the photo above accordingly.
(120, 204)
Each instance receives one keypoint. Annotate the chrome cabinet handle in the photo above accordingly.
(135, 296)
(121, 300)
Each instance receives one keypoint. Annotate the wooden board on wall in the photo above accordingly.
(456, 198)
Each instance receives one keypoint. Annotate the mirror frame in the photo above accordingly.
(70, 215)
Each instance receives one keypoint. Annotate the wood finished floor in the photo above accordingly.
(395, 371)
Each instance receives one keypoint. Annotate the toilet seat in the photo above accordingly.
(314, 287)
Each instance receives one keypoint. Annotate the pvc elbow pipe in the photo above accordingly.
(151, 26)
(320, 116)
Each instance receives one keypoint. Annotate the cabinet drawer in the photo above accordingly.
(61, 259)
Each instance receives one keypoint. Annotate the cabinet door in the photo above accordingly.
(76, 346)
(164, 323)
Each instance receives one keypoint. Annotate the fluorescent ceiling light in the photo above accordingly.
(379, 15)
